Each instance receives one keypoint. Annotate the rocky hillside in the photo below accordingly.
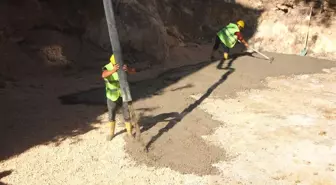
(283, 27)
(73, 33)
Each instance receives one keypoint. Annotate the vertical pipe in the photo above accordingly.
(116, 49)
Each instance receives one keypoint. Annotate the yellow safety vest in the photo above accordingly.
(112, 84)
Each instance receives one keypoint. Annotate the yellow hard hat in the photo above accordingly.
(241, 23)
(112, 60)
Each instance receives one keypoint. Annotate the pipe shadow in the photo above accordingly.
(173, 118)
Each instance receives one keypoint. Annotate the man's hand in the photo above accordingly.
(125, 68)
(116, 68)
(129, 70)
(107, 73)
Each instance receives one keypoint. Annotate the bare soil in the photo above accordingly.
(177, 126)
(44, 141)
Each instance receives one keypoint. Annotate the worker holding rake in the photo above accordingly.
(228, 37)
(113, 95)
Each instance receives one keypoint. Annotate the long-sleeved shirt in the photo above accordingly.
(240, 37)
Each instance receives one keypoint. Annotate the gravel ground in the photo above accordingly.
(279, 131)
(281, 135)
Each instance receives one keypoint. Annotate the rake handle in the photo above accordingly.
(261, 54)
(311, 10)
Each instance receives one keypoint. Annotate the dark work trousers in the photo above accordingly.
(219, 42)
(113, 106)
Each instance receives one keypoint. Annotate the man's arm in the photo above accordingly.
(241, 39)
(107, 73)
(129, 70)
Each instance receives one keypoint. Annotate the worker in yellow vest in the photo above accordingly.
(113, 95)
(228, 37)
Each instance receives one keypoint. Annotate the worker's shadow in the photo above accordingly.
(4, 174)
(233, 57)
(147, 122)
(174, 117)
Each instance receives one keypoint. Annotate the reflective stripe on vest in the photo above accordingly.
(112, 85)
(227, 35)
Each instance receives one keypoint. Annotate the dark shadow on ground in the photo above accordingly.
(31, 114)
(148, 122)
(4, 174)
(231, 60)
(142, 89)
(173, 118)
(183, 87)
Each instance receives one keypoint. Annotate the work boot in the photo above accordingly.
(112, 129)
(128, 126)
(226, 56)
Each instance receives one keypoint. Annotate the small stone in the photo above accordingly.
(322, 133)
(330, 169)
